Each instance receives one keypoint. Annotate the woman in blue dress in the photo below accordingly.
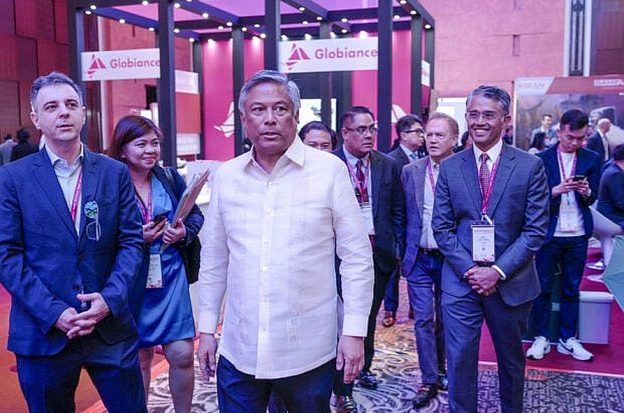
(161, 301)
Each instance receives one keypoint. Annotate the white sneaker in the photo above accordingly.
(540, 346)
(574, 348)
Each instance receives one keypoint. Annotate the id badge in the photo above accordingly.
(366, 209)
(154, 274)
(567, 219)
(483, 245)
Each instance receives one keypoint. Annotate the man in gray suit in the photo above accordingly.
(422, 263)
(490, 217)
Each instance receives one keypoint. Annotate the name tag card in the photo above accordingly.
(568, 221)
(483, 245)
(154, 274)
(366, 209)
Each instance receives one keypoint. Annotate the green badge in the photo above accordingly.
(91, 209)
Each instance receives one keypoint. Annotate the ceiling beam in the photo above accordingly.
(317, 10)
(415, 5)
(214, 13)
(107, 3)
(133, 19)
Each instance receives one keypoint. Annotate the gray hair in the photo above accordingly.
(270, 76)
(54, 78)
(493, 93)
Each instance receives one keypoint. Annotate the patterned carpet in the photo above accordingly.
(396, 367)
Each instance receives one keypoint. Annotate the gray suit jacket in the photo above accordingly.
(519, 207)
(413, 179)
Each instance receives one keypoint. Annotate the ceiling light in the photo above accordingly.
(228, 24)
(151, 29)
(176, 5)
(332, 35)
(305, 22)
(344, 31)
(145, 2)
(220, 27)
(87, 11)
(188, 1)
(307, 36)
(344, 20)
(93, 7)
(256, 25)
(427, 26)
(205, 15)
(176, 30)
(191, 40)
(319, 18)
(413, 12)
(403, 2)
(284, 37)
(244, 29)
(263, 35)
(122, 21)
(363, 34)
(301, 9)
(397, 17)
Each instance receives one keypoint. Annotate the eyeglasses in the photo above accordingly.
(488, 116)
(361, 130)
(418, 131)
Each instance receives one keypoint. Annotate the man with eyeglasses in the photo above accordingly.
(573, 179)
(490, 216)
(70, 247)
(411, 133)
(376, 181)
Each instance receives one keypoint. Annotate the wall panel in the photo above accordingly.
(7, 17)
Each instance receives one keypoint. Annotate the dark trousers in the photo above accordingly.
(379, 290)
(391, 297)
(425, 296)
(570, 253)
(463, 319)
(49, 382)
(308, 392)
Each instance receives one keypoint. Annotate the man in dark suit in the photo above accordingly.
(70, 245)
(422, 263)
(411, 132)
(573, 177)
(599, 142)
(376, 181)
(24, 147)
(490, 217)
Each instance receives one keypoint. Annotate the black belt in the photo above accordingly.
(433, 252)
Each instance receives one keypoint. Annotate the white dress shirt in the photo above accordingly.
(426, 237)
(366, 210)
(270, 239)
(568, 203)
(67, 176)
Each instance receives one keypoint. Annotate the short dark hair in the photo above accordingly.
(316, 125)
(355, 110)
(574, 118)
(54, 78)
(128, 129)
(8, 137)
(618, 152)
(493, 93)
(406, 122)
(22, 134)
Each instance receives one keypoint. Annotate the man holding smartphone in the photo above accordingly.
(573, 177)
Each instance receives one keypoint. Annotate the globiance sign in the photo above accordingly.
(328, 55)
(133, 64)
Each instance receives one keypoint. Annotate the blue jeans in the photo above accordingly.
(391, 297)
(306, 392)
(425, 294)
(570, 253)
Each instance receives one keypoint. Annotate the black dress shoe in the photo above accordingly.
(442, 382)
(367, 380)
(424, 394)
(345, 404)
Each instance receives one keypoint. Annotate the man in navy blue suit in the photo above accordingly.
(573, 177)
(70, 245)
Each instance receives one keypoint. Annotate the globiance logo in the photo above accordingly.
(297, 54)
(96, 64)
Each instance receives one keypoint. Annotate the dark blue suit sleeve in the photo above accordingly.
(16, 276)
(129, 248)
(536, 214)
(444, 227)
(593, 177)
(398, 209)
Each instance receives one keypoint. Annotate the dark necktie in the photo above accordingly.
(361, 181)
(484, 174)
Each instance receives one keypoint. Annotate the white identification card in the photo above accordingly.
(154, 274)
(568, 221)
(366, 209)
(483, 242)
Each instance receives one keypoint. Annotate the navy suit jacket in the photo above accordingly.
(388, 209)
(44, 263)
(611, 197)
(589, 164)
(519, 208)
(399, 156)
(413, 178)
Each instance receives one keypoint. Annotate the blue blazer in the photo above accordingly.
(413, 178)
(519, 208)
(44, 263)
(388, 209)
(588, 164)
